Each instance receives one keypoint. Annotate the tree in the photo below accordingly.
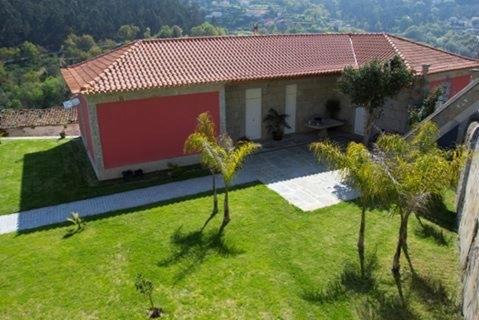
(229, 158)
(145, 287)
(362, 173)
(226, 157)
(416, 169)
(371, 84)
(207, 29)
(165, 32)
(203, 140)
(177, 32)
(147, 33)
(128, 32)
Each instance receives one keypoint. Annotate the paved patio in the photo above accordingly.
(291, 172)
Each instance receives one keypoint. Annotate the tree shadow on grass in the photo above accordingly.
(349, 281)
(438, 213)
(191, 249)
(434, 296)
(427, 231)
(376, 304)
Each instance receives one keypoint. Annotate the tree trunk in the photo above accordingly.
(367, 131)
(396, 267)
(361, 240)
(215, 203)
(215, 195)
(151, 301)
(404, 245)
(226, 216)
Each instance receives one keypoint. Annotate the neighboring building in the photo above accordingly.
(140, 102)
(39, 122)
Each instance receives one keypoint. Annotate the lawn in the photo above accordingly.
(273, 262)
(38, 173)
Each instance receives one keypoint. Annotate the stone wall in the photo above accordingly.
(468, 214)
(312, 94)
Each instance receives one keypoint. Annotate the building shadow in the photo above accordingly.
(54, 175)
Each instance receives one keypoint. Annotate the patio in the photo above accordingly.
(290, 169)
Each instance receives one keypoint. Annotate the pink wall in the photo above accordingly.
(84, 121)
(456, 84)
(147, 130)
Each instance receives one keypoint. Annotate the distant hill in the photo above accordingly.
(449, 24)
(47, 22)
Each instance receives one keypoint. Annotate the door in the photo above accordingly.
(290, 107)
(253, 113)
(360, 121)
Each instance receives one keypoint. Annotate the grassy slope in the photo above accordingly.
(38, 173)
(274, 262)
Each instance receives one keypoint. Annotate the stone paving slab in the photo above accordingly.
(293, 173)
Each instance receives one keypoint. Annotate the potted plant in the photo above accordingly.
(333, 106)
(275, 123)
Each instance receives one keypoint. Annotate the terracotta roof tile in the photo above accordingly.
(177, 62)
(20, 118)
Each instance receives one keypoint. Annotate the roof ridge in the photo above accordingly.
(132, 46)
(433, 48)
(398, 52)
(273, 35)
(353, 51)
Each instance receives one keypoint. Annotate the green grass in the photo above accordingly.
(274, 262)
(38, 173)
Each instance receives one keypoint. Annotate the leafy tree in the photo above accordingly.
(428, 105)
(177, 32)
(165, 32)
(30, 52)
(416, 170)
(128, 32)
(203, 140)
(371, 84)
(146, 288)
(207, 29)
(361, 172)
(147, 33)
(78, 48)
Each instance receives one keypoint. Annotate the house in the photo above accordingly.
(139, 102)
(39, 122)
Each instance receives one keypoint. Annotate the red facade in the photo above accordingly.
(147, 130)
(455, 84)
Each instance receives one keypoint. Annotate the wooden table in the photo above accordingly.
(324, 125)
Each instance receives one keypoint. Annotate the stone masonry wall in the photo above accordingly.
(312, 93)
(468, 213)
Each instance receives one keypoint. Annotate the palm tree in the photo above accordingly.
(229, 157)
(417, 170)
(360, 171)
(203, 139)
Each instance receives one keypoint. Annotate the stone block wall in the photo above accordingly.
(468, 213)
(312, 94)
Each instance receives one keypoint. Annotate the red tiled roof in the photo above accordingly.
(145, 64)
(20, 118)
